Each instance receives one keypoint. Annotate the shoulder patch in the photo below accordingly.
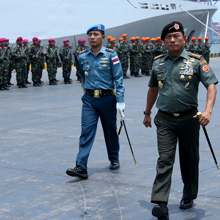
(197, 56)
(159, 56)
(109, 50)
(202, 62)
(83, 52)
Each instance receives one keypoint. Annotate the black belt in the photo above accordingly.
(178, 114)
(99, 93)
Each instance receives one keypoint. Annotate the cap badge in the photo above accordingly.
(99, 26)
(176, 26)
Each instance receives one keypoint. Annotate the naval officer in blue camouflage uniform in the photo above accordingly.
(176, 76)
(101, 73)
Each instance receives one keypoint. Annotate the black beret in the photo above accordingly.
(174, 26)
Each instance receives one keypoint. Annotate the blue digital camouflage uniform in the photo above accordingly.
(100, 73)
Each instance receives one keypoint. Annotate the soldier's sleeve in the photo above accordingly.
(117, 73)
(153, 79)
(81, 71)
(206, 75)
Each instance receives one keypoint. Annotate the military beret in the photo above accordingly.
(206, 38)
(2, 39)
(112, 39)
(199, 38)
(51, 39)
(96, 27)
(25, 40)
(120, 39)
(83, 40)
(109, 37)
(35, 38)
(193, 38)
(143, 38)
(6, 39)
(147, 38)
(137, 38)
(158, 38)
(65, 40)
(124, 35)
(39, 40)
(174, 26)
(152, 39)
(19, 38)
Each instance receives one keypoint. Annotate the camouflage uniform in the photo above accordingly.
(186, 46)
(135, 61)
(108, 45)
(146, 59)
(122, 52)
(52, 63)
(206, 51)
(35, 58)
(6, 68)
(193, 48)
(76, 53)
(3, 67)
(157, 49)
(66, 58)
(20, 65)
(200, 49)
(28, 64)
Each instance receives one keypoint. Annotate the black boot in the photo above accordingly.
(10, 84)
(27, 82)
(23, 85)
(70, 81)
(35, 84)
(5, 87)
(19, 85)
(51, 82)
(55, 82)
(161, 212)
(66, 81)
(1, 87)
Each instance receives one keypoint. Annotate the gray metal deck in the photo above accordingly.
(39, 134)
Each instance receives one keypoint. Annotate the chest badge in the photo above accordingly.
(86, 73)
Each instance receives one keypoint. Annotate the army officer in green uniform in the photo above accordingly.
(176, 76)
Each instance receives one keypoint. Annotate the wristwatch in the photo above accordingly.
(147, 113)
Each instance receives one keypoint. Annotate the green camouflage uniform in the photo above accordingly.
(108, 45)
(135, 58)
(200, 49)
(122, 52)
(157, 49)
(193, 48)
(66, 58)
(28, 63)
(52, 61)
(3, 66)
(146, 59)
(186, 47)
(7, 62)
(35, 58)
(76, 53)
(206, 51)
(20, 64)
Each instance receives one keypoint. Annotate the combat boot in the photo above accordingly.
(66, 81)
(51, 82)
(5, 87)
(35, 84)
(27, 82)
(10, 84)
(23, 85)
(70, 81)
(1, 87)
(19, 85)
(55, 82)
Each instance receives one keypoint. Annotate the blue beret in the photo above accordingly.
(96, 27)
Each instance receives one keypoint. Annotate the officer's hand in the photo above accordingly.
(147, 121)
(204, 118)
(120, 106)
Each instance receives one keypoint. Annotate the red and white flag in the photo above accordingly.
(115, 60)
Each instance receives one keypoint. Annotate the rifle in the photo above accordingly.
(3, 54)
(23, 52)
(40, 50)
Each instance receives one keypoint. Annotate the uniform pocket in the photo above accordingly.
(161, 76)
(86, 65)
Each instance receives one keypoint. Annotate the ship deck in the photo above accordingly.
(40, 129)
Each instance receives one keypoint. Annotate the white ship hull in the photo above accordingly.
(69, 18)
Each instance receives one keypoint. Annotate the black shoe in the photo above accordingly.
(78, 171)
(66, 81)
(161, 212)
(136, 75)
(147, 74)
(51, 82)
(114, 165)
(126, 77)
(10, 84)
(70, 81)
(19, 85)
(55, 82)
(41, 82)
(35, 84)
(5, 87)
(27, 82)
(1, 87)
(186, 203)
(23, 85)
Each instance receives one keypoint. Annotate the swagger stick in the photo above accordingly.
(199, 114)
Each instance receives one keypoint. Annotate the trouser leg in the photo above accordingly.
(188, 133)
(89, 126)
(108, 112)
(167, 139)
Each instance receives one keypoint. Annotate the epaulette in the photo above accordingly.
(110, 50)
(197, 56)
(159, 56)
(83, 51)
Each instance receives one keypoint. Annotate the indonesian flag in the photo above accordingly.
(115, 60)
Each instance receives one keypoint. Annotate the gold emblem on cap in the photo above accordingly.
(190, 77)
(99, 26)
(182, 77)
(160, 84)
(86, 73)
